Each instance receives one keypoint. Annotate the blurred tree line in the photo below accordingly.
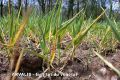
(92, 8)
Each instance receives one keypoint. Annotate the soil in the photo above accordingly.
(84, 66)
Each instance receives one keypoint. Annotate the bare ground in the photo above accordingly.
(84, 66)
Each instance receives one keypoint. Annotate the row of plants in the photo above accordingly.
(48, 32)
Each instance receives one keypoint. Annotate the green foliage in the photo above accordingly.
(50, 29)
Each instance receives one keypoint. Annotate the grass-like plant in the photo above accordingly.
(49, 30)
